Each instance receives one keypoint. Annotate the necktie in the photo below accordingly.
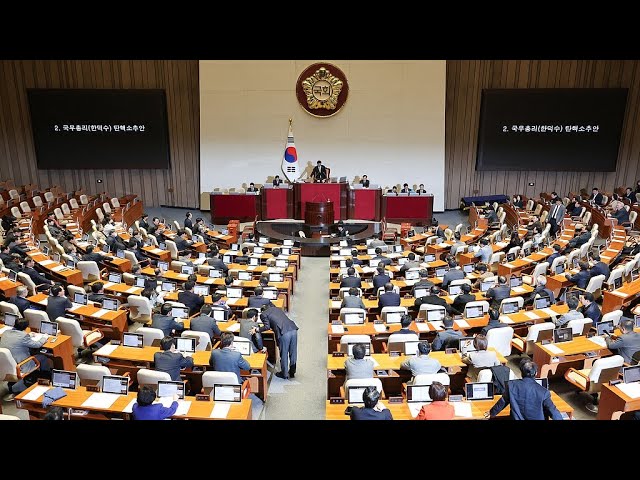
(555, 213)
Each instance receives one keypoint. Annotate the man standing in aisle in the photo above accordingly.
(285, 331)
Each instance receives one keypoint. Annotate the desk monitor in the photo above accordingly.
(636, 320)
(510, 307)
(526, 252)
(180, 312)
(227, 393)
(440, 271)
(411, 233)
(455, 289)
(106, 248)
(258, 250)
(80, 298)
(202, 290)
(270, 293)
(276, 277)
(235, 247)
(344, 252)
(115, 277)
(169, 389)
(574, 262)
(631, 374)
(85, 237)
(263, 240)
(10, 319)
(13, 276)
(465, 345)
(430, 257)
(163, 266)
(559, 268)
(397, 248)
(374, 262)
(244, 348)
(215, 273)
(168, 286)
(135, 340)
(162, 246)
(226, 259)
(436, 315)
(412, 275)
(511, 257)
(617, 283)
(285, 251)
(354, 318)
(49, 328)
(120, 253)
(186, 344)
(515, 282)
(70, 263)
(234, 292)
(402, 260)
(485, 286)
(110, 304)
(282, 263)
(635, 274)
(186, 269)
(411, 347)
(543, 382)
(418, 393)
(420, 292)
(393, 317)
(244, 275)
(115, 384)
(479, 391)
(253, 261)
(371, 251)
(56, 257)
(562, 335)
(289, 243)
(219, 314)
(605, 327)
(64, 379)
(140, 281)
(542, 302)
(473, 311)
(45, 250)
(354, 394)
(468, 268)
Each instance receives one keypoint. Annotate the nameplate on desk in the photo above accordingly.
(202, 397)
(382, 373)
(449, 351)
(394, 353)
(336, 401)
(44, 381)
(615, 381)
(455, 398)
(93, 388)
(398, 399)
(337, 354)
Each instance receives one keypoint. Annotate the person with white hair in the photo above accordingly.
(20, 299)
(541, 290)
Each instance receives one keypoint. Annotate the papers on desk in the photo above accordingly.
(44, 263)
(410, 283)
(209, 281)
(109, 284)
(502, 244)
(509, 265)
(100, 400)
(231, 301)
(599, 340)
(531, 315)
(183, 407)
(550, 312)
(131, 290)
(129, 408)
(379, 327)
(58, 268)
(234, 328)
(337, 328)
(437, 324)
(36, 393)
(415, 407)
(274, 270)
(251, 268)
(554, 349)
(504, 319)
(618, 294)
(156, 251)
(335, 303)
(368, 269)
(237, 283)
(630, 389)
(100, 313)
(337, 257)
(519, 290)
(423, 327)
(106, 350)
(462, 409)
(220, 410)
(462, 324)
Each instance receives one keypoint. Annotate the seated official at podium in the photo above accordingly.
(364, 181)
(319, 173)
(252, 188)
(405, 188)
(277, 181)
(394, 190)
(421, 189)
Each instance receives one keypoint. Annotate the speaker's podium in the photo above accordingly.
(326, 202)
(319, 214)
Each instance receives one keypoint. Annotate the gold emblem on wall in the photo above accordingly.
(322, 89)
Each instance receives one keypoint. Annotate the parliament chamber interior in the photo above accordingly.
(469, 230)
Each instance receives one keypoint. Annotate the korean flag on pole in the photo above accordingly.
(290, 158)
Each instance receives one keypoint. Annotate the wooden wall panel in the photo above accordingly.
(465, 81)
(177, 186)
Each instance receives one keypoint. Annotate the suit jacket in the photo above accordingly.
(551, 258)
(19, 343)
(380, 281)
(96, 297)
(356, 261)
(528, 401)
(580, 240)
(245, 327)
(115, 243)
(492, 324)
(155, 411)
(448, 338)
(420, 364)
(319, 172)
(258, 302)
(626, 345)
(558, 212)
(188, 223)
(451, 275)
(600, 268)
(192, 301)
(499, 293)
(363, 413)
(593, 312)
(277, 182)
(581, 279)
(362, 368)
(408, 265)
(92, 257)
(484, 254)
(389, 299)
(218, 264)
(543, 292)
(383, 260)
(621, 215)
(204, 323)
(166, 323)
(182, 244)
(227, 360)
(461, 300)
(351, 282)
(21, 303)
(171, 363)
(421, 284)
(352, 302)
(365, 183)
(275, 319)
(433, 300)
(376, 242)
(567, 317)
(56, 307)
(597, 199)
(36, 277)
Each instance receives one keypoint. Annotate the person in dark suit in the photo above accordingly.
(383, 260)
(319, 173)
(165, 322)
(14, 263)
(372, 410)
(285, 332)
(517, 201)
(257, 300)
(574, 208)
(192, 301)
(354, 258)
(494, 321)
(134, 247)
(97, 293)
(434, 299)
(596, 196)
(277, 181)
(626, 344)
(364, 181)
(205, 323)
(57, 303)
(351, 280)
(600, 268)
(219, 304)
(380, 279)
(621, 214)
(541, 290)
(447, 338)
(393, 190)
(358, 366)
(115, 242)
(454, 272)
(631, 195)
(91, 255)
(225, 359)
(252, 188)
(421, 189)
(411, 263)
(352, 300)
(188, 223)
(5, 254)
(154, 226)
(582, 236)
(405, 188)
(423, 284)
(495, 295)
(581, 279)
(250, 329)
(405, 323)
(461, 300)
(528, 399)
(181, 241)
(244, 258)
(216, 262)
(42, 282)
(144, 222)
(145, 409)
(20, 299)
(590, 308)
(556, 253)
(389, 298)
(169, 360)
(556, 215)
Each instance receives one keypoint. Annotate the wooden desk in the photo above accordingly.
(8, 287)
(219, 238)
(75, 398)
(573, 355)
(621, 297)
(519, 265)
(612, 399)
(61, 352)
(54, 269)
(157, 254)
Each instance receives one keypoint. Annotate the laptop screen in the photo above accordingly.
(371, 251)
(45, 250)
(276, 277)
(56, 257)
(186, 270)
(282, 263)
(345, 252)
(479, 391)
(562, 335)
(243, 275)
(120, 253)
(468, 268)
(418, 393)
(270, 294)
(559, 268)
(543, 382)
(202, 290)
(605, 327)
(10, 319)
(140, 282)
(420, 292)
(244, 348)
(289, 243)
(411, 275)
(115, 277)
(186, 344)
(455, 289)
(105, 248)
(49, 328)
(80, 298)
(367, 348)
(226, 258)
(235, 247)
(392, 317)
(617, 283)
(168, 286)
(214, 273)
(440, 271)
(132, 340)
(110, 304)
(484, 286)
(263, 240)
(473, 312)
(374, 262)
(515, 282)
(285, 251)
(636, 319)
(631, 374)
(115, 384)
(511, 257)
(542, 302)
(233, 292)
(353, 318)
(510, 307)
(163, 266)
(465, 345)
(179, 312)
(162, 246)
(402, 260)
(70, 263)
(13, 276)
(64, 379)
(411, 348)
(429, 258)
(258, 250)
(169, 389)
(227, 393)
(354, 394)
(254, 261)
(435, 315)
(218, 315)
